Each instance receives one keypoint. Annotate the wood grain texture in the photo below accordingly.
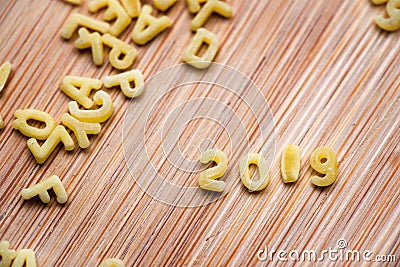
(331, 78)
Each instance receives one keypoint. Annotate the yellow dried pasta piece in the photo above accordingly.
(147, 26)
(41, 189)
(207, 178)
(93, 41)
(112, 262)
(124, 79)
(97, 116)
(21, 123)
(190, 54)
(163, 5)
(210, 7)
(79, 89)
(379, 2)
(194, 5)
(7, 255)
(290, 163)
(259, 160)
(114, 11)
(25, 257)
(74, 2)
(122, 54)
(5, 71)
(81, 129)
(392, 23)
(59, 134)
(132, 7)
(78, 20)
(324, 161)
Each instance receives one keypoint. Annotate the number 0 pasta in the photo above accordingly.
(259, 160)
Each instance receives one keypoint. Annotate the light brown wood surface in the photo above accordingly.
(331, 78)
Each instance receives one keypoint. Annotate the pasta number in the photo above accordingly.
(324, 161)
(207, 178)
(257, 159)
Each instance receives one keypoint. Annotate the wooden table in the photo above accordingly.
(330, 77)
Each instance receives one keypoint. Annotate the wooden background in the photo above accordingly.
(331, 78)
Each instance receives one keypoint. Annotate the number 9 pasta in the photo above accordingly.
(324, 161)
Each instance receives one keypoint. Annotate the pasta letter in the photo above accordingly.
(114, 11)
(123, 79)
(79, 89)
(5, 71)
(25, 257)
(74, 2)
(379, 2)
(41, 190)
(7, 255)
(190, 54)
(112, 263)
(210, 7)
(194, 5)
(81, 129)
(132, 7)
(77, 20)
(92, 40)
(392, 23)
(163, 5)
(59, 134)
(122, 54)
(96, 116)
(21, 123)
(147, 27)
